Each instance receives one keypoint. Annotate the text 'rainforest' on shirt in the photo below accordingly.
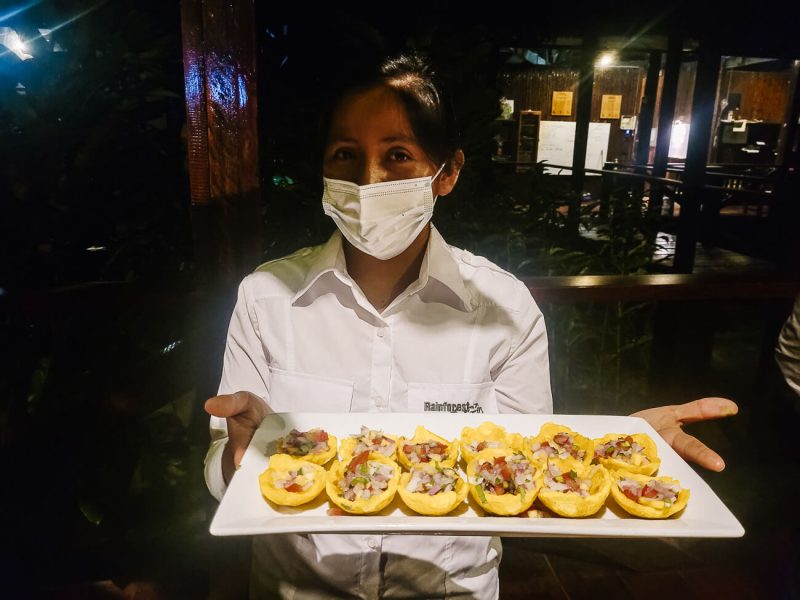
(460, 407)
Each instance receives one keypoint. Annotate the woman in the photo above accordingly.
(387, 317)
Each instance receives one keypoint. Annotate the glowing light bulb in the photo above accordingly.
(606, 59)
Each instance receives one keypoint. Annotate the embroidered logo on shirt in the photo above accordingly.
(458, 407)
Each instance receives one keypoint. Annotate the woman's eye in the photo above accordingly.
(399, 155)
(342, 154)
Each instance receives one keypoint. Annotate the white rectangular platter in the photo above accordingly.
(243, 510)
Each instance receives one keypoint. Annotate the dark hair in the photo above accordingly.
(411, 77)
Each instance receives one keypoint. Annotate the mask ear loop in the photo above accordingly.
(435, 176)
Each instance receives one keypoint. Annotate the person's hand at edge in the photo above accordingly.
(668, 421)
(243, 412)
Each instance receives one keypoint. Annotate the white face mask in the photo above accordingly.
(381, 219)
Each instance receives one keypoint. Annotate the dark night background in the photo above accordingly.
(112, 337)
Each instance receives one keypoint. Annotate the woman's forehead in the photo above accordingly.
(373, 114)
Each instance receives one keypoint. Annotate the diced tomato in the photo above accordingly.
(630, 494)
(293, 487)
(649, 492)
(499, 490)
(408, 449)
(357, 460)
(500, 460)
(505, 472)
(377, 441)
(481, 446)
(318, 436)
(423, 450)
(561, 438)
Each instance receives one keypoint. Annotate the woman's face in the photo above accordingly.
(371, 141)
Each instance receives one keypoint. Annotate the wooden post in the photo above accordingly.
(583, 115)
(666, 114)
(220, 79)
(645, 125)
(703, 100)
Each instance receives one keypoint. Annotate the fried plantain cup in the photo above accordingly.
(501, 497)
(639, 495)
(362, 466)
(423, 436)
(572, 489)
(559, 441)
(318, 458)
(440, 503)
(380, 442)
(487, 435)
(284, 469)
(635, 453)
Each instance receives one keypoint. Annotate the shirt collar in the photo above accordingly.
(438, 264)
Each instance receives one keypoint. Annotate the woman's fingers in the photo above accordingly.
(705, 409)
(243, 413)
(240, 404)
(691, 449)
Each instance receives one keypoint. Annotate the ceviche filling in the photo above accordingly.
(365, 478)
(370, 440)
(425, 452)
(442, 480)
(568, 481)
(477, 446)
(622, 448)
(504, 475)
(562, 446)
(303, 443)
(294, 481)
(652, 490)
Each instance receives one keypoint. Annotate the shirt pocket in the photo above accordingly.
(291, 391)
(452, 397)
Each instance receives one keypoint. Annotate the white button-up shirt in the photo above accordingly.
(465, 337)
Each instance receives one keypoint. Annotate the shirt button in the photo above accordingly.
(372, 543)
(381, 332)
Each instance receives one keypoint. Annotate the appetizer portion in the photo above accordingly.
(571, 489)
(559, 441)
(635, 453)
(369, 440)
(363, 485)
(431, 489)
(504, 481)
(648, 497)
(426, 447)
(487, 435)
(289, 481)
(314, 445)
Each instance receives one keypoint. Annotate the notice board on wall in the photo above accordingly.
(557, 141)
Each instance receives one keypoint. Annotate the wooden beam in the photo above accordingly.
(645, 125)
(220, 78)
(583, 115)
(669, 93)
(661, 288)
(703, 100)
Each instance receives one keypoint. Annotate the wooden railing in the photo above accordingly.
(662, 288)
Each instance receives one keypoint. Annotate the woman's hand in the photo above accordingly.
(668, 421)
(243, 412)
